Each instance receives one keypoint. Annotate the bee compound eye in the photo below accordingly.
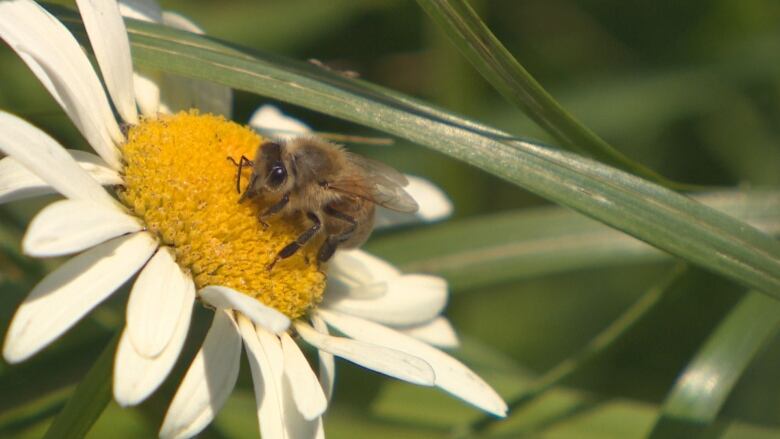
(277, 176)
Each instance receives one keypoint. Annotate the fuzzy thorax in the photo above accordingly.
(179, 181)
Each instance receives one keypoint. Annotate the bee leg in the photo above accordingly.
(327, 249)
(331, 244)
(304, 237)
(248, 192)
(272, 210)
(243, 161)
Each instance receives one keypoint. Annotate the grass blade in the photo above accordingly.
(88, 400)
(593, 348)
(497, 65)
(527, 243)
(702, 388)
(663, 218)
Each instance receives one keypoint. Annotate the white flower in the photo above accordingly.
(392, 319)
(170, 231)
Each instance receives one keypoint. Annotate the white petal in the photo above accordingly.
(56, 58)
(410, 300)
(136, 376)
(180, 93)
(71, 291)
(361, 267)
(270, 122)
(303, 429)
(96, 167)
(438, 332)
(359, 275)
(337, 288)
(451, 375)
(49, 161)
(145, 82)
(384, 360)
(296, 425)
(306, 391)
(228, 298)
(70, 226)
(160, 293)
(434, 205)
(17, 182)
(208, 382)
(267, 363)
(108, 37)
(144, 10)
(147, 91)
(178, 21)
(278, 412)
(327, 362)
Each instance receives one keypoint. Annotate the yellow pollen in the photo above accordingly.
(179, 181)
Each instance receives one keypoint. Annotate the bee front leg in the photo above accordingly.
(304, 237)
(248, 192)
(244, 161)
(274, 209)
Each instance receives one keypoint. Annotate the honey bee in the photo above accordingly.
(336, 190)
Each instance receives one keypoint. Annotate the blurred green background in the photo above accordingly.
(691, 89)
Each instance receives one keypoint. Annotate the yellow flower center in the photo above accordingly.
(179, 181)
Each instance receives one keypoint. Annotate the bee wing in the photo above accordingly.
(379, 191)
(377, 170)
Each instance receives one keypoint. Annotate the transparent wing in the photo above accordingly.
(377, 170)
(379, 191)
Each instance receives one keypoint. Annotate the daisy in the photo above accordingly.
(175, 222)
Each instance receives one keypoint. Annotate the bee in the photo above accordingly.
(335, 190)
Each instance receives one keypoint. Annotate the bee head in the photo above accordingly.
(271, 173)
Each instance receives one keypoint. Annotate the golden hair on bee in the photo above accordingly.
(336, 191)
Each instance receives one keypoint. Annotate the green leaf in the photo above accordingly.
(497, 65)
(665, 219)
(706, 382)
(526, 243)
(89, 399)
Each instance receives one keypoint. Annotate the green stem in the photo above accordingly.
(598, 344)
(89, 399)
